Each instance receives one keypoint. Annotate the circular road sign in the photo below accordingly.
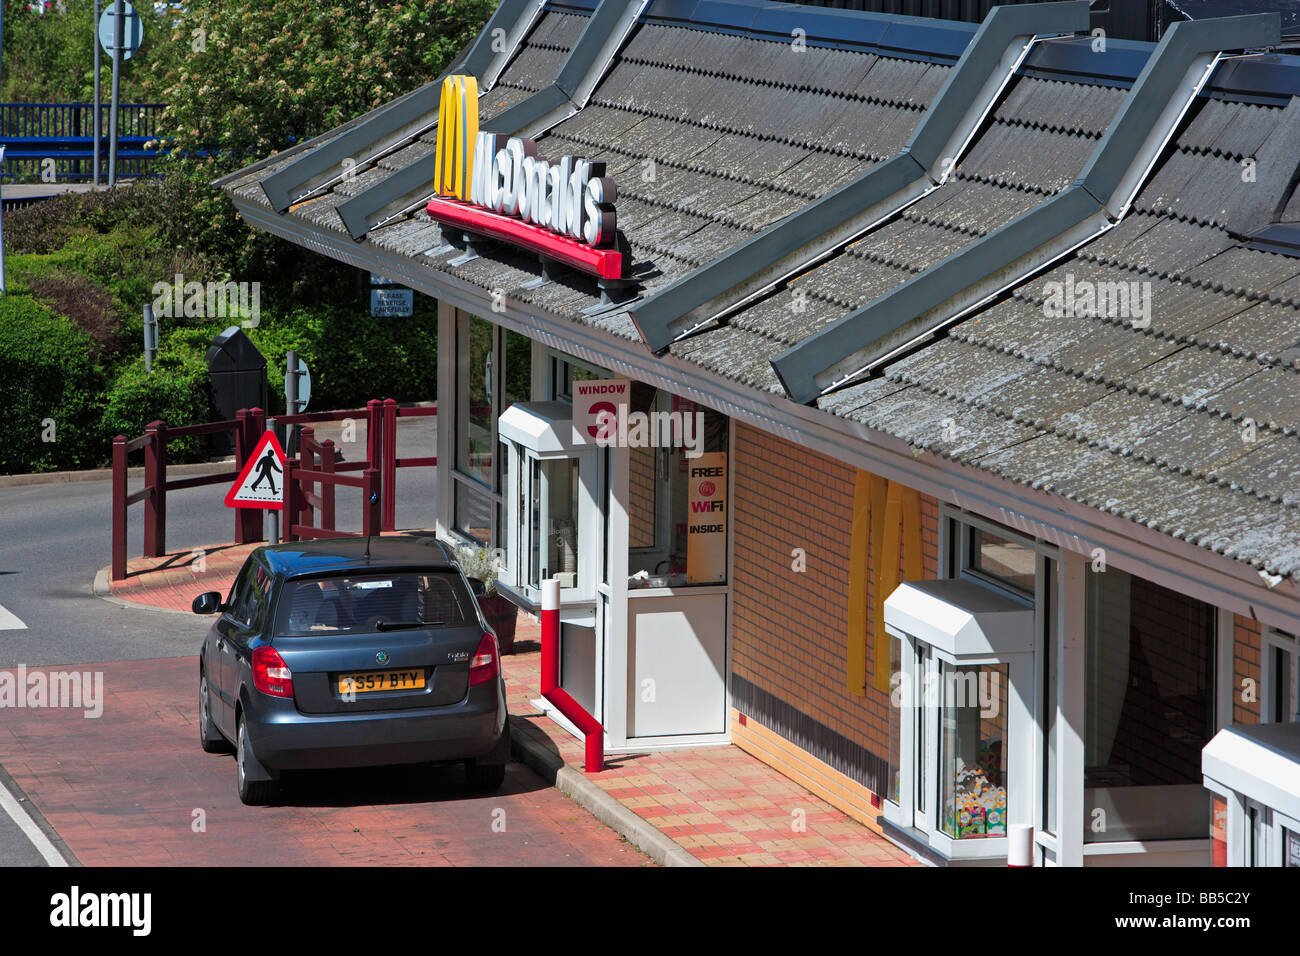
(132, 29)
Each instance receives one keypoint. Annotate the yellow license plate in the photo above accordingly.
(371, 681)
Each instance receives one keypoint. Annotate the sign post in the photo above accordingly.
(297, 392)
(120, 32)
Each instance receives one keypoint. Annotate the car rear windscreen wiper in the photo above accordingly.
(401, 625)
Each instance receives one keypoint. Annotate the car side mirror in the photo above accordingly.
(477, 587)
(209, 602)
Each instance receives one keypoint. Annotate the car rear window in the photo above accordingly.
(339, 604)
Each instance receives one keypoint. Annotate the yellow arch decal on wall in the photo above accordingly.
(886, 521)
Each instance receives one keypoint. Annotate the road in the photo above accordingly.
(128, 786)
(54, 537)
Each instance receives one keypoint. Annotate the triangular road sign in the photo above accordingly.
(261, 483)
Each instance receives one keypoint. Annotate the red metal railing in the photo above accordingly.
(391, 462)
(380, 417)
(592, 731)
(294, 500)
(317, 456)
(247, 425)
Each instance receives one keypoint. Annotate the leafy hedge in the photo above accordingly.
(177, 392)
(49, 389)
(352, 356)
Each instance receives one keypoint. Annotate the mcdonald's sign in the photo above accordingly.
(457, 135)
(499, 186)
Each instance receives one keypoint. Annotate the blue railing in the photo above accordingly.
(33, 133)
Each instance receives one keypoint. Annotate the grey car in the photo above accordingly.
(350, 652)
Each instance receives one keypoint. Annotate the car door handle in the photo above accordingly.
(221, 645)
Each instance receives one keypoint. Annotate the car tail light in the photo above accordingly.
(270, 675)
(483, 665)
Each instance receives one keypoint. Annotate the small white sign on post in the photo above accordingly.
(304, 387)
(132, 30)
(598, 405)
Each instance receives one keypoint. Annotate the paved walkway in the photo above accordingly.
(722, 805)
(176, 579)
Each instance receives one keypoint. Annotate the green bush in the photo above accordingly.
(177, 392)
(359, 357)
(49, 390)
(352, 356)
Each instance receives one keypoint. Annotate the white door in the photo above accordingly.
(677, 655)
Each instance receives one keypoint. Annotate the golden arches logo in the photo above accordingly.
(457, 134)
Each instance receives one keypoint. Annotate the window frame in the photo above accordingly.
(239, 593)
(956, 542)
(1213, 665)
(1271, 642)
(494, 489)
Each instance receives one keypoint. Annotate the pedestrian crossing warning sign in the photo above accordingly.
(261, 483)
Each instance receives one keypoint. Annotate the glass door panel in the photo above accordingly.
(553, 521)
(973, 750)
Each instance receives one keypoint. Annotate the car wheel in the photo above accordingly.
(210, 738)
(254, 793)
(485, 776)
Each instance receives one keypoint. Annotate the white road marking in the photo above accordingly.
(9, 621)
(25, 823)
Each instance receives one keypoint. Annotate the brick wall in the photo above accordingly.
(1246, 675)
(790, 627)
(641, 497)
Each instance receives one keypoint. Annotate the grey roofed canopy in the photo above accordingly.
(715, 129)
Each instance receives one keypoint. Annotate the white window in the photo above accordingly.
(1280, 676)
(553, 526)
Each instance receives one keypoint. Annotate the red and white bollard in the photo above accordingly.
(556, 695)
(1020, 844)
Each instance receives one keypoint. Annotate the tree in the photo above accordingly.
(51, 56)
(243, 79)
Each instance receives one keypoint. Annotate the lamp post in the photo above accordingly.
(119, 14)
(2, 163)
(2, 225)
(99, 133)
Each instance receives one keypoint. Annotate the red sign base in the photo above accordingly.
(604, 263)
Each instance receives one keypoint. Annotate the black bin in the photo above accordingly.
(238, 373)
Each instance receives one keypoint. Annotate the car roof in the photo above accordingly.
(357, 552)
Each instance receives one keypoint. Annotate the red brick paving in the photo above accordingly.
(174, 580)
(722, 805)
(122, 790)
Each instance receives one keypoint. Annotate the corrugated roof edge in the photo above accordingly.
(1272, 80)
(892, 35)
